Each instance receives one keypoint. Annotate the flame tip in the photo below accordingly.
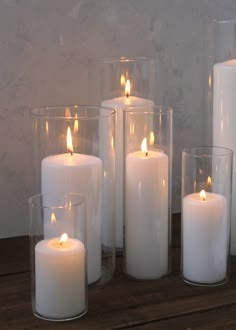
(69, 141)
(64, 237)
(127, 88)
(144, 146)
(203, 195)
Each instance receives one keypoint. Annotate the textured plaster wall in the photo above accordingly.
(44, 48)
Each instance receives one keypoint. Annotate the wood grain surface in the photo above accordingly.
(167, 303)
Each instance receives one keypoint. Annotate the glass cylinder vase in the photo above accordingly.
(206, 208)
(58, 256)
(221, 95)
(74, 151)
(120, 83)
(147, 191)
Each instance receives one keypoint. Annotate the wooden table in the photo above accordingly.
(168, 303)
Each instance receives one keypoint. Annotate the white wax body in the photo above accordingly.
(146, 215)
(79, 174)
(205, 238)
(60, 278)
(224, 119)
(119, 103)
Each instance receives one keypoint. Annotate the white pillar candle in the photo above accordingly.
(224, 119)
(205, 242)
(120, 103)
(60, 278)
(146, 214)
(82, 174)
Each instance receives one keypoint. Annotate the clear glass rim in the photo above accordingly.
(208, 151)
(81, 201)
(43, 112)
(224, 21)
(158, 109)
(123, 59)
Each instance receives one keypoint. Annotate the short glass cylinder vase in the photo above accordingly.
(58, 256)
(221, 95)
(147, 192)
(121, 82)
(206, 209)
(74, 151)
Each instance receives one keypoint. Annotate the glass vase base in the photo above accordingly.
(224, 281)
(64, 319)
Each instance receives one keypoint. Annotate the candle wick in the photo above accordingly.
(127, 95)
(146, 153)
(70, 151)
(61, 243)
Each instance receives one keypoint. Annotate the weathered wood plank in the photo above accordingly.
(122, 304)
(14, 256)
(218, 318)
(167, 303)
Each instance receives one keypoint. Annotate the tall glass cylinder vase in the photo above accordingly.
(147, 191)
(58, 256)
(74, 151)
(120, 83)
(206, 208)
(220, 115)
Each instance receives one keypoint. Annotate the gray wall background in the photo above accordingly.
(44, 49)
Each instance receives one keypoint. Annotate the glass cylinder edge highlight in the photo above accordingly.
(147, 191)
(58, 256)
(206, 212)
(74, 151)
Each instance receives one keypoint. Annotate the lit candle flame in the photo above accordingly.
(127, 88)
(151, 138)
(209, 181)
(144, 146)
(64, 238)
(76, 124)
(203, 195)
(69, 141)
(122, 80)
(53, 218)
